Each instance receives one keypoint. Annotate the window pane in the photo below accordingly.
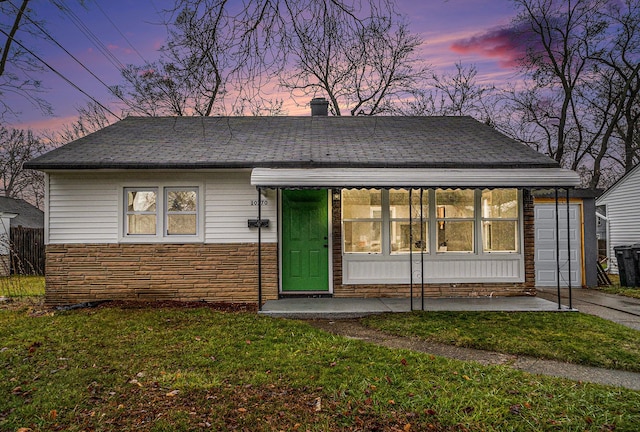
(500, 236)
(179, 224)
(399, 204)
(362, 237)
(141, 224)
(182, 201)
(141, 201)
(500, 203)
(361, 204)
(401, 236)
(455, 236)
(455, 203)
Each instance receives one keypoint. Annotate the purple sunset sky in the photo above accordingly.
(471, 31)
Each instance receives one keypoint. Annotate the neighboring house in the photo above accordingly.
(17, 215)
(581, 241)
(620, 204)
(248, 209)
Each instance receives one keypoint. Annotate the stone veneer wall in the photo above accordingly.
(79, 273)
(440, 289)
(5, 265)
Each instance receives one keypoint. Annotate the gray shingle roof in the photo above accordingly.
(302, 142)
(28, 215)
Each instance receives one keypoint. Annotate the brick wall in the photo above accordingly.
(79, 273)
(5, 265)
(439, 290)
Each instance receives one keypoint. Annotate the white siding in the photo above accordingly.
(469, 268)
(230, 202)
(622, 202)
(87, 207)
(82, 209)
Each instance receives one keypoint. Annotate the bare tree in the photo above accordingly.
(153, 89)
(563, 38)
(17, 66)
(581, 66)
(17, 147)
(223, 57)
(623, 60)
(457, 93)
(91, 118)
(358, 67)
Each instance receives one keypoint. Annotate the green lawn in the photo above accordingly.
(615, 288)
(21, 286)
(571, 337)
(112, 369)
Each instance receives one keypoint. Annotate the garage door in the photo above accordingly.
(545, 246)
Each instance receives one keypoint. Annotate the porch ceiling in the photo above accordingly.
(412, 177)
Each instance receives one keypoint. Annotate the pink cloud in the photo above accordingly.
(506, 44)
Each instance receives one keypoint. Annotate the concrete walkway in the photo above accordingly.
(341, 308)
(352, 328)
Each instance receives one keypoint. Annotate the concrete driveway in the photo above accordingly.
(620, 309)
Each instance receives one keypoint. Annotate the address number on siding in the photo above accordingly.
(261, 202)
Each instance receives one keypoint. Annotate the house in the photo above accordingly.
(248, 209)
(17, 215)
(618, 208)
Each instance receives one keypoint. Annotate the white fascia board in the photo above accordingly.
(412, 177)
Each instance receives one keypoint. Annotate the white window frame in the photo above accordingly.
(384, 210)
(432, 221)
(127, 212)
(161, 235)
(391, 217)
(444, 219)
(517, 220)
(166, 212)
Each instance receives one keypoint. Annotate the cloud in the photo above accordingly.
(506, 44)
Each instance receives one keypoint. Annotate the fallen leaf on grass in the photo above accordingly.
(23, 429)
(173, 393)
(242, 410)
(407, 427)
(317, 406)
(135, 381)
(53, 414)
(468, 410)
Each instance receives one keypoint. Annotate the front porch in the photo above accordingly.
(337, 308)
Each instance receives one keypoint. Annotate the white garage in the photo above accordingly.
(546, 246)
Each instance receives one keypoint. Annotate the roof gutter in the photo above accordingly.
(408, 178)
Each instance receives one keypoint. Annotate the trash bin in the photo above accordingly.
(627, 267)
(635, 251)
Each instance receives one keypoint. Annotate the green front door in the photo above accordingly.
(305, 244)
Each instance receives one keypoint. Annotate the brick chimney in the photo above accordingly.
(319, 107)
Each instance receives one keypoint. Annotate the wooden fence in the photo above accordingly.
(27, 251)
